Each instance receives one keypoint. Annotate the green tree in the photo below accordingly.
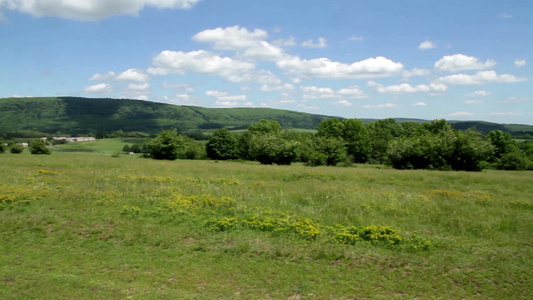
(503, 143)
(222, 145)
(328, 150)
(126, 148)
(2, 147)
(167, 145)
(38, 146)
(265, 127)
(269, 149)
(381, 133)
(16, 149)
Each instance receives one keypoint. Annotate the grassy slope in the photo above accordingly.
(80, 237)
(83, 115)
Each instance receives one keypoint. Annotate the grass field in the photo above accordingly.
(85, 225)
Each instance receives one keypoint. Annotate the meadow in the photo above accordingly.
(82, 224)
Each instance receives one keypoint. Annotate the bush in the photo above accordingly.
(38, 146)
(2, 148)
(16, 149)
(512, 161)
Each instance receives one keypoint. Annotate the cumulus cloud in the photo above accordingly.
(407, 88)
(285, 42)
(504, 15)
(325, 68)
(201, 61)
(480, 77)
(342, 103)
(357, 38)
(480, 93)
(138, 87)
(225, 97)
(386, 105)
(90, 10)
(419, 104)
(100, 88)
(250, 44)
(133, 75)
(313, 92)
(277, 87)
(425, 45)
(415, 72)
(460, 62)
(520, 62)
(461, 114)
(321, 43)
(473, 102)
(103, 77)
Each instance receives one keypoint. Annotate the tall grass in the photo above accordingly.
(76, 225)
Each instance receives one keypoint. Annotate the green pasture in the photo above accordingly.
(80, 224)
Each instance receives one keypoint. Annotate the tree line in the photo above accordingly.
(435, 145)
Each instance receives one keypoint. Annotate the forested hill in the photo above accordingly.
(75, 115)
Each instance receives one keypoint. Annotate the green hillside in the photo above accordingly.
(73, 115)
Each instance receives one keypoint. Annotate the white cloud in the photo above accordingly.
(313, 92)
(100, 88)
(427, 45)
(133, 75)
(505, 114)
(386, 105)
(201, 62)
(504, 15)
(473, 102)
(103, 77)
(353, 92)
(460, 62)
(480, 77)
(311, 43)
(419, 104)
(285, 42)
(277, 87)
(325, 68)
(407, 88)
(461, 114)
(520, 62)
(90, 10)
(225, 97)
(415, 72)
(514, 99)
(138, 87)
(357, 38)
(142, 97)
(342, 103)
(480, 93)
(250, 44)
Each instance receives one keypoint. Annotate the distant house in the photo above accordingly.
(75, 139)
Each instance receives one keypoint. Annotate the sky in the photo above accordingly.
(454, 60)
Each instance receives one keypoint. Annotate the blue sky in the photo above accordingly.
(458, 60)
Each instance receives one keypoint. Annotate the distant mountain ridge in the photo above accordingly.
(76, 115)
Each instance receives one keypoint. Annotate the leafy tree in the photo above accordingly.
(126, 148)
(269, 149)
(166, 145)
(331, 128)
(16, 149)
(265, 127)
(503, 143)
(470, 151)
(244, 145)
(357, 139)
(515, 160)
(38, 146)
(381, 133)
(2, 147)
(222, 145)
(329, 151)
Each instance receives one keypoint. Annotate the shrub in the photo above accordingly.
(38, 146)
(2, 148)
(512, 161)
(16, 149)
